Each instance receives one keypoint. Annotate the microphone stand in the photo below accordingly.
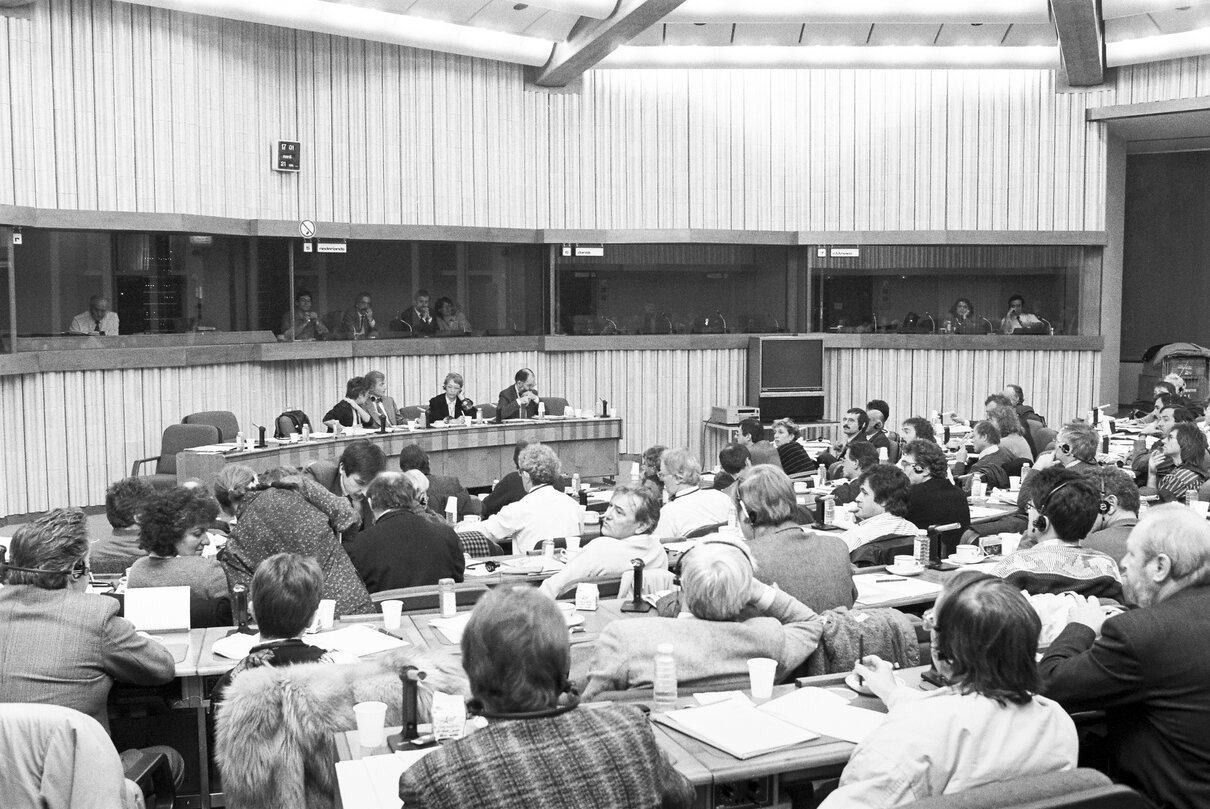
(636, 603)
(1049, 326)
(933, 329)
(720, 317)
(671, 328)
(991, 327)
(409, 736)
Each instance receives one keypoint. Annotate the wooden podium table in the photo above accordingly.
(476, 454)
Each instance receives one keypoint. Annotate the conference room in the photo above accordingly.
(238, 208)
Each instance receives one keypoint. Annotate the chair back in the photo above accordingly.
(1073, 789)
(410, 412)
(332, 320)
(1044, 438)
(1013, 468)
(478, 546)
(224, 420)
(705, 530)
(180, 437)
(555, 405)
(882, 551)
(487, 411)
(427, 596)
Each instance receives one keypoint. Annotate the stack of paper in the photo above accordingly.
(870, 591)
(373, 782)
(357, 640)
(451, 628)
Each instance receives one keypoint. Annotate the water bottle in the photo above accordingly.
(883, 455)
(664, 681)
(921, 547)
(541, 409)
(449, 605)
(306, 433)
(732, 516)
(829, 509)
(575, 484)
(1191, 496)
(1025, 470)
(239, 442)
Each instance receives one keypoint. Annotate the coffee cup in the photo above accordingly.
(392, 614)
(907, 562)
(371, 718)
(968, 552)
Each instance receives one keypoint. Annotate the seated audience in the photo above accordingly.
(1016, 398)
(987, 725)
(731, 617)
(451, 320)
(451, 404)
(879, 413)
(379, 404)
(60, 645)
(1017, 320)
(1013, 438)
(541, 747)
(649, 468)
(1146, 457)
(1119, 512)
(292, 514)
(543, 513)
(916, 427)
(813, 568)
(1185, 449)
(353, 409)
(358, 323)
(961, 319)
(794, 458)
(509, 489)
(173, 530)
(403, 548)
(932, 500)
(123, 501)
(752, 435)
(626, 535)
(860, 458)
(1076, 447)
(348, 477)
(284, 597)
(1146, 668)
(989, 460)
(419, 317)
(854, 428)
(440, 487)
(1063, 508)
(733, 459)
(882, 504)
(689, 507)
(303, 322)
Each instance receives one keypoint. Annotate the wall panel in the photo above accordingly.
(102, 421)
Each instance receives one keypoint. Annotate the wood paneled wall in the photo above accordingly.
(111, 106)
(67, 435)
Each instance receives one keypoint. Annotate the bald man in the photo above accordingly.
(98, 321)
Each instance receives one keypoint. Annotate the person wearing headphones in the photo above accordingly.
(1076, 447)
(59, 644)
(737, 617)
(689, 506)
(1185, 449)
(932, 500)
(1063, 508)
(989, 723)
(854, 428)
(814, 568)
(516, 654)
(1120, 514)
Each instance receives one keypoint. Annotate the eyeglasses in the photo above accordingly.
(915, 467)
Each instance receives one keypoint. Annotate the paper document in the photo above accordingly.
(235, 647)
(825, 713)
(451, 628)
(984, 512)
(359, 640)
(157, 609)
(373, 782)
(871, 592)
(213, 448)
(738, 729)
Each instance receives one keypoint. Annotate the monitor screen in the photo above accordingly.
(795, 364)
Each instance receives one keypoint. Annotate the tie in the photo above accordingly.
(98, 326)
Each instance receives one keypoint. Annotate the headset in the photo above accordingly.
(748, 512)
(77, 571)
(1041, 523)
(1104, 506)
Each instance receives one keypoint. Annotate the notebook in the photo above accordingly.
(163, 614)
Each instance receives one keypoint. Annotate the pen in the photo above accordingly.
(861, 648)
(891, 578)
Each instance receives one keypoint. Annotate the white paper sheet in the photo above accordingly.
(825, 713)
(157, 609)
(358, 640)
(738, 729)
(871, 592)
(452, 628)
(373, 782)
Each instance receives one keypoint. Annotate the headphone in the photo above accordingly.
(77, 571)
(1104, 506)
(748, 512)
(1041, 523)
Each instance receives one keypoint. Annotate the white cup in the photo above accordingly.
(801, 487)
(371, 722)
(326, 615)
(392, 614)
(978, 488)
(1014, 483)
(573, 543)
(907, 562)
(968, 552)
(1009, 543)
(760, 676)
(1201, 507)
(295, 438)
(470, 518)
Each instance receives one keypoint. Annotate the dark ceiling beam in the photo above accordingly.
(593, 40)
(1081, 32)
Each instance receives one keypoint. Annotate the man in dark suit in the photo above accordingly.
(404, 548)
(1146, 668)
(349, 477)
(379, 405)
(418, 316)
(520, 399)
(441, 487)
(988, 461)
(932, 500)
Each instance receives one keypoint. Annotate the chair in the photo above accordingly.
(224, 420)
(410, 412)
(487, 411)
(427, 596)
(555, 405)
(1044, 438)
(477, 545)
(705, 530)
(333, 320)
(176, 438)
(56, 756)
(882, 551)
(1074, 789)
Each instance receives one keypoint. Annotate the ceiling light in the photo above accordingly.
(921, 57)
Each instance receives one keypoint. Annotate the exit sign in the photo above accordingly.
(287, 155)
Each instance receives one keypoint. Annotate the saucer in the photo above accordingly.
(575, 619)
(958, 560)
(854, 682)
(901, 571)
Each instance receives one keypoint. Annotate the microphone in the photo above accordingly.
(637, 604)
(991, 327)
(776, 325)
(407, 738)
(382, 413)
(616, 330)
(875, 315)
(1050, 326)
(932, 330)
(720, 317)
(409, 325)
(240, 608)
(671, 328)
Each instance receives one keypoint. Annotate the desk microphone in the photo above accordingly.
(260, 444)
(991, 328)
(410, 678)
(637, 604)
(240, 607)
(1049, 326)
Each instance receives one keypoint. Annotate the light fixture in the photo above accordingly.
(863, 11)
(1157, 48)
(922, 57)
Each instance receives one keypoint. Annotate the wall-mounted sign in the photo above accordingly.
(287, 155)
(333, 247)
(845, 252)
(597, 250)
(306, 229)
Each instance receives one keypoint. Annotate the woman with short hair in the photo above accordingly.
(173, 530)
(451, 404)
(987, 725)
(1185, 447)
(540, 747)
(794, 458)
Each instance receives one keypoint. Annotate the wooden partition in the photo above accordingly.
(68, 433)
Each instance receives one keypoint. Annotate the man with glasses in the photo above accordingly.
(1076, 447)
(932, 500)
(689, 507)
(1146, 668)
(1146, 458)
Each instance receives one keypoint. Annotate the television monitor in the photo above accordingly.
(786, 364)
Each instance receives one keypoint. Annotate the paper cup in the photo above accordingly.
(1014, 483)
(326, 614)
(1009, 543)
(573, 543)
(392, 614)
(761, 671)
(371, 721)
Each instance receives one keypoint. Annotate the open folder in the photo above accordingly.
(743, 730)
(162, 613)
